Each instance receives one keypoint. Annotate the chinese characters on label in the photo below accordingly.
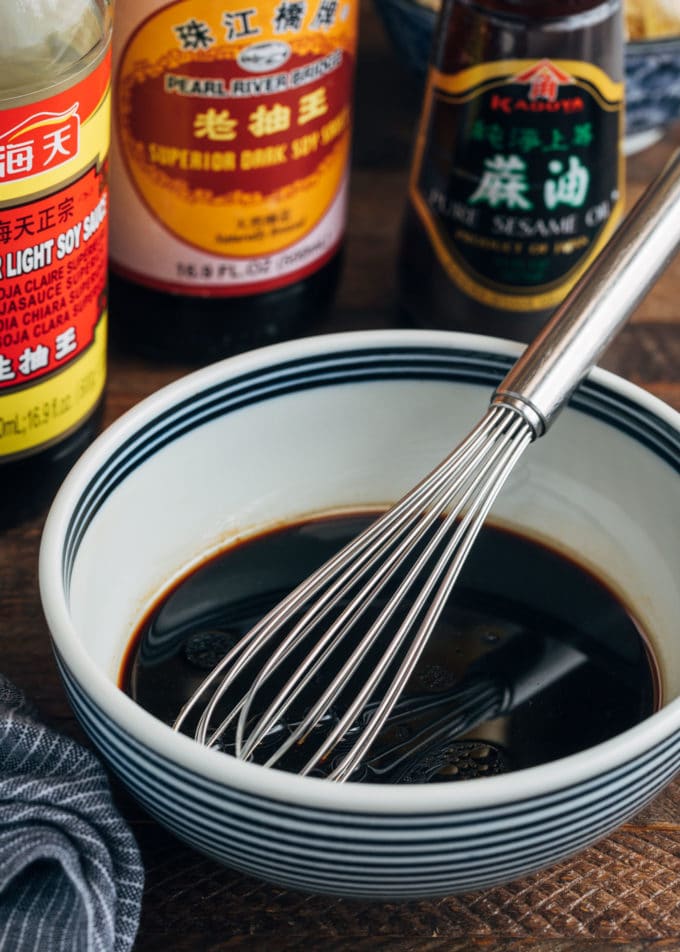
(194, 35)
(40, 143)
(51, 288)
(44, 219)
(33, 359)
(219, 126)
(53, 256)
(504, 184)
(245, 162)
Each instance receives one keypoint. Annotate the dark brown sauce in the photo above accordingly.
(533, 659)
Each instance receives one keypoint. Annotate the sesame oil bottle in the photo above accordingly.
(517, 178)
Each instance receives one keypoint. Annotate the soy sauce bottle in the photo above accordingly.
(517, 178)
(230, 162)
(54, 141)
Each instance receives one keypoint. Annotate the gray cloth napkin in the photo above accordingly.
(71, 876)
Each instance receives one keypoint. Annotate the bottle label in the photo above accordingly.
(53, 262)
(231, 142)
(518, 176)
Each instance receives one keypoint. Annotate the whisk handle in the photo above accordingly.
(581, 328)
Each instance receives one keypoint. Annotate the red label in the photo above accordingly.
(53, 257)
(53, 261)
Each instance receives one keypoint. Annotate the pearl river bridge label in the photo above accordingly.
(231, 149)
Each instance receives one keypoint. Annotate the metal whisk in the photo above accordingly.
(347, 640)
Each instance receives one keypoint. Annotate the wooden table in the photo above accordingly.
(623, 893)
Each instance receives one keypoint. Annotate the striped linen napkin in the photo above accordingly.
(71, 876)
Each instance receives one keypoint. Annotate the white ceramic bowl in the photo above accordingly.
(346, 420)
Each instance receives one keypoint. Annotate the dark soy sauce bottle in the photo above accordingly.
(517, 177)
(229, 166)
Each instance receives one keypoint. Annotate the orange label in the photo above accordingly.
(53, 261)
(233, 126)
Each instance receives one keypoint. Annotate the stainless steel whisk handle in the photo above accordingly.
(551, 367)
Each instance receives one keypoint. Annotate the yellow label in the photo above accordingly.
(42, 413)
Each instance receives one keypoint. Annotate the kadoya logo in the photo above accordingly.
(543, 82)
(39, 143)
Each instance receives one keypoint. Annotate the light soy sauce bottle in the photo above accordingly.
(518, 172)
(54, 143)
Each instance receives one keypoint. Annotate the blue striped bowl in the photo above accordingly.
(349, 420)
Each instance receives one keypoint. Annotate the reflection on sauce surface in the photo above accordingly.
(533, 659)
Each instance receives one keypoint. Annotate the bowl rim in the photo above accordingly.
(315, 793)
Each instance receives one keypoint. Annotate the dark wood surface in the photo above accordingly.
(622, 894)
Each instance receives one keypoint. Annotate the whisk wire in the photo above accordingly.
(506, 424)
(369, 545)
(423, 591)
(493, 472)
(419, 515)
(470, 706)
(443, 513)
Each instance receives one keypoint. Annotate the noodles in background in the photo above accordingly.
(652, 19)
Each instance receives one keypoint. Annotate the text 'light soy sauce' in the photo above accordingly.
(534, 658)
